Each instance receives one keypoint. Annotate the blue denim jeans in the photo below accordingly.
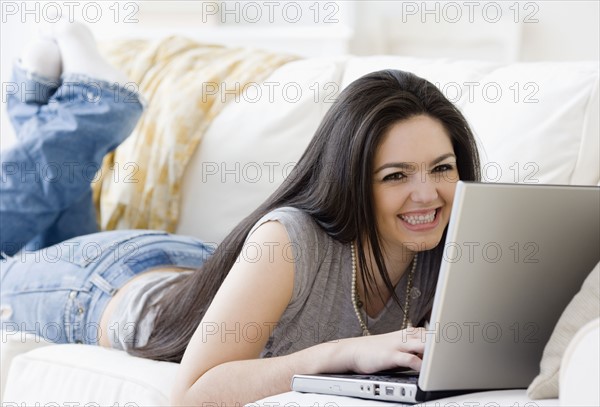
(64, 130)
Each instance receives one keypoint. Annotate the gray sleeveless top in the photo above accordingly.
(320, 309)
(321, 306)
(132, 320)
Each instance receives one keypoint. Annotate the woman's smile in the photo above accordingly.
(420, 220)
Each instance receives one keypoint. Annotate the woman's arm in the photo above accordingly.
(221, 362)
(245, 381)
(242, 382)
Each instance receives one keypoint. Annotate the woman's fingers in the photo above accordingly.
(408, 360)
(388, 351)
(411, 348)
(413, 340)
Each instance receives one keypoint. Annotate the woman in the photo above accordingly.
(348, 252)
(366, 236)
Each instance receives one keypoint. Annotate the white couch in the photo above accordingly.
(536, 122)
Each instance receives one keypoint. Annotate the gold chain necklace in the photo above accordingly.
(355, 299)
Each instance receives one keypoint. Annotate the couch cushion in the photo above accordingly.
(501, 398)
(541, 130)
(84, 374)
(14, 344)
(253, 144)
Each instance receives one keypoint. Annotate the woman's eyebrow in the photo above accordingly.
(442, 158)
(403, 165)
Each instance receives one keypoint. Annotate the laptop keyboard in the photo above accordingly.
(391, 378)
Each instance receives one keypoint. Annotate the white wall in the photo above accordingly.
(567, 30)
(530, 30)
(525, 30)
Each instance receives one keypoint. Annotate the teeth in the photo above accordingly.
(419, 219)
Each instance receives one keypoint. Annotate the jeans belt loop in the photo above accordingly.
(102, 284)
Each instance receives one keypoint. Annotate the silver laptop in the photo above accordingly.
(514, 256)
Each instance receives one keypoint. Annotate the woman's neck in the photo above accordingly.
(397, 261)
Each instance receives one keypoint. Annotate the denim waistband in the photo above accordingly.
(140, 253)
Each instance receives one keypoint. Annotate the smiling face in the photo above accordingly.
(415, 177)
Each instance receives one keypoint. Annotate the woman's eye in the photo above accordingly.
(397, 176)
(443, 167)
(444, 172)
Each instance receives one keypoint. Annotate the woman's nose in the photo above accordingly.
(424, 190)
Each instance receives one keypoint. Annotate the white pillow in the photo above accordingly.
(578, 377)
(253, 144)
(543, 129)
(583, 308)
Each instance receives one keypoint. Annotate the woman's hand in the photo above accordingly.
(369, 354)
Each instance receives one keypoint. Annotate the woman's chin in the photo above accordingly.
(423, 245)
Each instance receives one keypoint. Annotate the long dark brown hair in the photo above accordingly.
(332, 182)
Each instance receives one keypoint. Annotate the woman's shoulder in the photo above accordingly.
(288, 211)
(315, 254)
(304, 233)
(293, 219)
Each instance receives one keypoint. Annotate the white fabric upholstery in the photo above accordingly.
(553, 140)
(583, 308)
(85, 374)
(580, 370)
(547, 147)
(13, 344)
(251, 147)
(500, 398)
